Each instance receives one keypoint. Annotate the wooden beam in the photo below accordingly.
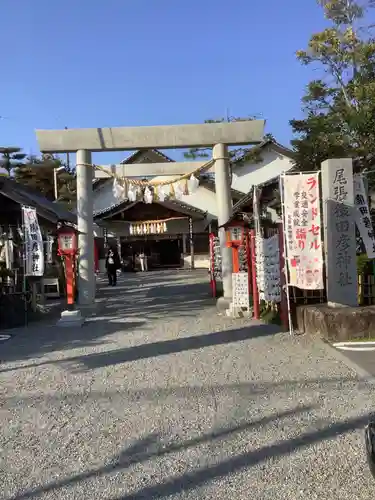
(148, 169)
(159, 137)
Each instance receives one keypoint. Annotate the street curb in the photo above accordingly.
(364, 375)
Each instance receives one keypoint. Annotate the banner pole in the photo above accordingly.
(285, 254)
(24, 283)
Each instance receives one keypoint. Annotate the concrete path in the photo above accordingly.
(159, 397)
(362, 361)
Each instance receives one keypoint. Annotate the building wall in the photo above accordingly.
(203, 199)
(119, 228)
(251, 174)
(244, 177)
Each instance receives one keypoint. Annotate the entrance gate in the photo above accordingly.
(85, 141)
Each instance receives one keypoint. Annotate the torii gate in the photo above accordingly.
(85, 141)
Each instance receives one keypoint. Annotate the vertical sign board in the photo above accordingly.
(340, 239)
(363, 216)
(240, 284)
(268, 268)
(34, 246)
(303, 231)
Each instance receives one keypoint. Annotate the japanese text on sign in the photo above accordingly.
(343, 228)
(34, 247)
(303, 231)
(268, 268)
(240, 283)
(362, 216)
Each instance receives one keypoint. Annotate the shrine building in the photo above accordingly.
(174, 233)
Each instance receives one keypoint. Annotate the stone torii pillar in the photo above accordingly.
(224, 208)
(85, 222)
(85, 141)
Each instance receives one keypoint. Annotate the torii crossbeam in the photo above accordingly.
(84, 141)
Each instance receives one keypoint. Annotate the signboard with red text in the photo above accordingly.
(303, 231)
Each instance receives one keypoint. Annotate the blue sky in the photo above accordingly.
(90, 63)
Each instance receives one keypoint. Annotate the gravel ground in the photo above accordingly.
(159, 397)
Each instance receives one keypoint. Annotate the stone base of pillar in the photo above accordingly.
(238, 312)
(71, 318)
(87, 309)
(223, 304)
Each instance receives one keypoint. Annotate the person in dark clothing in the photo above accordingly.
(112, 263)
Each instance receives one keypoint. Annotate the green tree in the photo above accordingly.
(339, 108)
(11, 158)
(38, 173)
(236, 154)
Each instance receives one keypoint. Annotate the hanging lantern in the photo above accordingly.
(165, 227)
(193, 184)
(144, 229)
(131, 229)
(147, 195)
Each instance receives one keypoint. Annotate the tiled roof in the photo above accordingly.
(209, 182)
(276, 146)
(177, 205)
(132, 158)
(25, 195)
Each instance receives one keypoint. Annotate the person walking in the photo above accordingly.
(143, 261)
(112, 264)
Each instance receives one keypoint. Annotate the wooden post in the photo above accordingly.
(284, 316)
(256, 311)
(191, 236)
(248, 260)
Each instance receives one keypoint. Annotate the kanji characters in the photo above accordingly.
(344, 279)
(341, 211)
(342, 226)
(340, 177)
(360, 199)
(340, 194)
(343, 242)
(343, 260)
(366, 222)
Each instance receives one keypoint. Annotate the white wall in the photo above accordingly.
(203, 199)
(244, 177)
(273, 164)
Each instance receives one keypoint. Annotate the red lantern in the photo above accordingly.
(235, 237)
(68, 249)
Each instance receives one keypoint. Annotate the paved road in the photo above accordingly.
(159, 397)
(363, 362)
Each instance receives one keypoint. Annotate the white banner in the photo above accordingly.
(49, 249)
(34, 248)
(302, 222)
(268, 268)
(363, 217)
(240, 284)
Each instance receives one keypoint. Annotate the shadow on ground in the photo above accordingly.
(161, 348)
(152, 446)
(245, 390)
(131, 305)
